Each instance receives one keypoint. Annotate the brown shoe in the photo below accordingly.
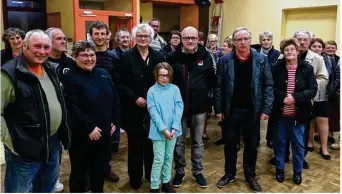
(111, 176)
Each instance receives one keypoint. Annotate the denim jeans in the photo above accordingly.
(24, 176)
(289, 129)
(196, 124)
(162, 162)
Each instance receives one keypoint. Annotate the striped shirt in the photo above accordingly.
(290, 110)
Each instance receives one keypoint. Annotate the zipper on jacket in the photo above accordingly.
(47, 135)
(65, 112)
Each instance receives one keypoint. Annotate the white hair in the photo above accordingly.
(51, 31)
(302, 31)
(265, 34)
(213, 36)
(36, 32)
(189, 28)
(143, 28)
(119, 32)
(241, 29)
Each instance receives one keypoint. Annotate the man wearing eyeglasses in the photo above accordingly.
(157, 42)
(194, 74)
(243, 97)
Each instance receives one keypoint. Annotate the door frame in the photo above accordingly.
(80, 17)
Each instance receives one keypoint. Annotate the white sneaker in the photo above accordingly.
(59, 186)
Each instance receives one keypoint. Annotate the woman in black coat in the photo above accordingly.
(294, 87)
(93, 106)
(135, 78)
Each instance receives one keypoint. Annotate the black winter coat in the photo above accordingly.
(305, 90)
(135, 78)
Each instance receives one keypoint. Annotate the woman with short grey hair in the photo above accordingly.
(136, 78)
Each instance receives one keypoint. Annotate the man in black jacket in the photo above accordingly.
(107, 60)
(123, 39)
(243, 96)
(194, 74)
(33, 118)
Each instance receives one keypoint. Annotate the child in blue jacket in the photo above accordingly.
(165, 105)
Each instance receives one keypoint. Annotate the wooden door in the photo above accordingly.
(189, 16)
(54, 20)
(82, 25)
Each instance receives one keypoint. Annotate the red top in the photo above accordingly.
(290, 110)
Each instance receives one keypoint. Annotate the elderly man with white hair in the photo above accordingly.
(194, 74)
(136, 78)
(33, 118)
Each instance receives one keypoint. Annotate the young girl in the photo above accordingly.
(165, 105)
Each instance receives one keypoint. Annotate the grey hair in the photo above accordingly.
(142, 28)
(81, 46)
(12, 32)
(189, 28)
(302, 31)
(37, 32)
(118, 33)
(265, 34)
(50, 31)
(241, 29)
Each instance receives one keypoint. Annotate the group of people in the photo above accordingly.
(155, 91)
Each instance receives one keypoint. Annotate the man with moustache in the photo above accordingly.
(33, 118)
(243, 97)
(107, 60)
(194, 74)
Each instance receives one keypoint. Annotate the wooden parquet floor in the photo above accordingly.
(322, 176)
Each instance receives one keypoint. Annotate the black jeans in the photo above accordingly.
(241, 119)
(88, 158)
(271, 128)
(140, 155)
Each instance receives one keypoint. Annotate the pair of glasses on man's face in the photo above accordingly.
(188, 38)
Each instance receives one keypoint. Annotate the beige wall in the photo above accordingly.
(146, 10)
(261, 15)
(67, 17)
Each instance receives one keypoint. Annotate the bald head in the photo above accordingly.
(189, 29)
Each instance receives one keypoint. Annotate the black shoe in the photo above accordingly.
(331, 139)
(317, 138)
(200, 180)
(223, 182)
(297, 178)
(272, 161)
(177, 181)
(311, 149)
(280, 175)
(287, 159)
(253, 184)
(154, 191)
(135, 186)
(166, 188)
(219, 142)
(269, 144)
(326, 157)
(305, 165)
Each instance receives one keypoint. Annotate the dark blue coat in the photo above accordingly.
(262, 85)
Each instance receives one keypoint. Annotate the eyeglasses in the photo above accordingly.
(162, 76)
(188, 38)
(303, 40)
(242, 39)
(212, 41)
(140, 36)
(175, 38)
(86, 56)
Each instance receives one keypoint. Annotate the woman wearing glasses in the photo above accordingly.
(93, 105)
(136, 78)
(175, 38)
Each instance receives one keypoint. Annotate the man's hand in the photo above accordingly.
(220, 117)
(167, 134)
(96, 134)
(112, 130)
(141, 102)
(264, 117)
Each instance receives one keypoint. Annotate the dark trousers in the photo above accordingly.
(114, 143)
(270, 128)
(88, 157)
(241, 120)
(140, 155)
